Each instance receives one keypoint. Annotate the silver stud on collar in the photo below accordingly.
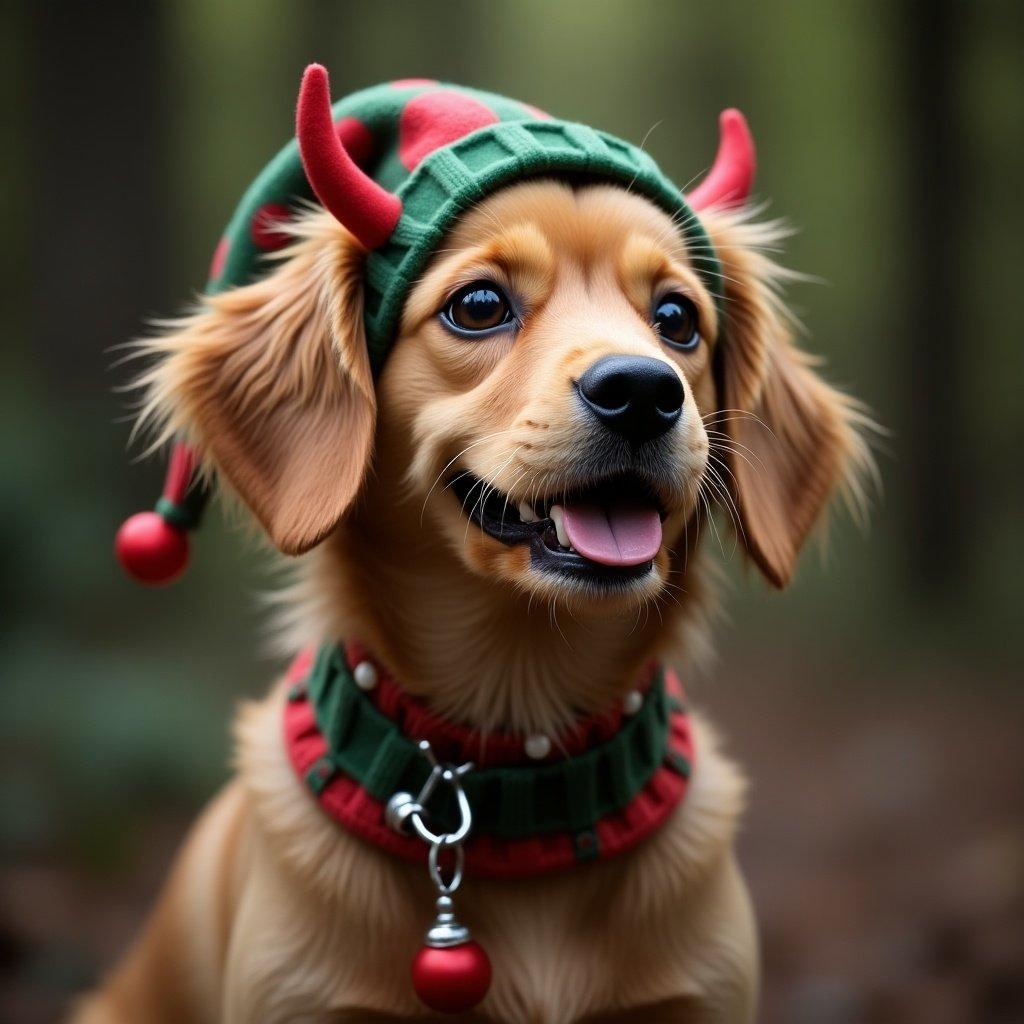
(632, 702)
(365, 675)
(537, 747)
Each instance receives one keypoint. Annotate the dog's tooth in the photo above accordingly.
(558, 518)
(526, 512)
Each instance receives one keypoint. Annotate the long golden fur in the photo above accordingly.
(274, 913)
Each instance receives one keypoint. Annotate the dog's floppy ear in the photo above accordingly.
(789, 438)
(273, 382)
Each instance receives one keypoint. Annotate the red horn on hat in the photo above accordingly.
(732, 175)
(357, 201)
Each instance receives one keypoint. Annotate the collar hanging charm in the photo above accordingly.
(451, 973)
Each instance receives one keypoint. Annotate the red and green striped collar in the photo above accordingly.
(352, 735)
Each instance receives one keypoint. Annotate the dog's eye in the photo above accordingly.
(477, 308)
(675, 319)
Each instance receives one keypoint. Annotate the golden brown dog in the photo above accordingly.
(273, 912)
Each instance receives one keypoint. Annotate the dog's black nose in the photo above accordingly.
(636, 397)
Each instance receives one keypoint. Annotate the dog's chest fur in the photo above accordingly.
(325, 922)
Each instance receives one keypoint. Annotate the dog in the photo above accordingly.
(560, 352)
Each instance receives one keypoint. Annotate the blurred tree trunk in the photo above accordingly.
(933, 437)
(97, 236)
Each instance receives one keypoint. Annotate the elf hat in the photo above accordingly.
(397, 164)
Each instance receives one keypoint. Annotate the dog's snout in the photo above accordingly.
(636, 397)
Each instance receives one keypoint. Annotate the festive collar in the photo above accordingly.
(352, 735)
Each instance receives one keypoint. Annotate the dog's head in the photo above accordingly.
(561, 406)
(565, 401)
(550, 389)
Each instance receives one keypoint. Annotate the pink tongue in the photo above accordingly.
(614, 534)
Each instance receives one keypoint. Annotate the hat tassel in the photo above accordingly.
(152, 547)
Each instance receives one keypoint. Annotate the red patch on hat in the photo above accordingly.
(413, 83)
(220, 257)
(356, 138)
(437, 119)
(265, 227)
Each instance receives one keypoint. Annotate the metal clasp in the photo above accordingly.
(403, 809)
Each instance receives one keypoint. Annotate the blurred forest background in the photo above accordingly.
(877, 705)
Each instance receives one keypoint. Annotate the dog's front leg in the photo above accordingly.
(296, 957)
(269, 972)
(719, 973)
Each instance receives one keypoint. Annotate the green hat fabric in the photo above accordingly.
(440, 149)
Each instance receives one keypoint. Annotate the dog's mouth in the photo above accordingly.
(608, 531)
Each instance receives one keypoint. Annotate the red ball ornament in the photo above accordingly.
(150, 549)
(452, 979)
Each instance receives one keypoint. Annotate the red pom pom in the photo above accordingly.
(454, 979)
(150, 550)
